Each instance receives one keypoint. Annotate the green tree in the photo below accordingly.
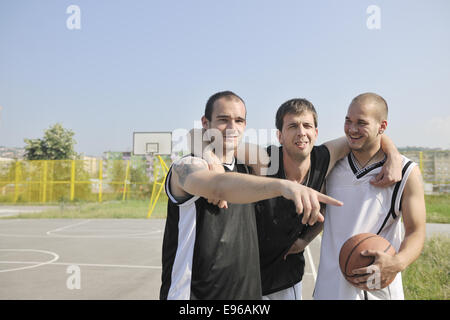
(57, 144)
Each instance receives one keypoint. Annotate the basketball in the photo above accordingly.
(350, 257)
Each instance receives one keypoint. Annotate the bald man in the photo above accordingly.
(374, 210)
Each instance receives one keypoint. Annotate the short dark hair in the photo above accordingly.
(223, 94)
(294, 106)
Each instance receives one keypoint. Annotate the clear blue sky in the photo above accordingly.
(151, 65)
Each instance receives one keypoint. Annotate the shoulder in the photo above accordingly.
(321, 150)
(407, 162)
(320, 155)
(187, 165)
(414, 178)
(275, 154)
(409, 167)
(273, 150)
(190, 161)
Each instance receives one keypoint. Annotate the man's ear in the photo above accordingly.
(205, 123)
(383, 127)
(280, 137)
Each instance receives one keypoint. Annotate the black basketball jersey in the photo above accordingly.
(208, 252)
(279, 226)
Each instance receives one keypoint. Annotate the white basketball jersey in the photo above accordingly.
(366, 209)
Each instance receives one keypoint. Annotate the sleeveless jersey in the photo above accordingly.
(208, 252)
(366, 209)
(279, 226)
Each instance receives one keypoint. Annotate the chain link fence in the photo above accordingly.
(435, 168)
(47, 181)
(44, 181)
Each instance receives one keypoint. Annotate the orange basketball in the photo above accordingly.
(350, 257)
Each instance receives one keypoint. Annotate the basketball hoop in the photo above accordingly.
(151, 144)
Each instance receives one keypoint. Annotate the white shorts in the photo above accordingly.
(292, 293)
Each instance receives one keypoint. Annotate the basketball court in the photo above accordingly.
(112, 258)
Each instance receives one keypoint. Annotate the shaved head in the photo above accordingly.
(375, 102)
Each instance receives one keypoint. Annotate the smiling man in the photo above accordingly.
(374, 210)
(282, 234)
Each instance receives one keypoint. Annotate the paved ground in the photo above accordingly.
(117, 259)
(112, 259)
(6, 211)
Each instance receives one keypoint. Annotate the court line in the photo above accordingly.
(66, 227)
(81, 264)
(126, 235)
(310, 259)
(35, 263)
(137, 236)
(313, 267)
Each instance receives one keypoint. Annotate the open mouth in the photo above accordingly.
(230, 138)
(354, 138)
(301, 144)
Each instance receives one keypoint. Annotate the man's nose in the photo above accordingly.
(352, 128)
(301, 131)
(231, 124)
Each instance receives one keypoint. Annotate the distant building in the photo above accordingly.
(149, 160)
(90, 164)
(12, 153)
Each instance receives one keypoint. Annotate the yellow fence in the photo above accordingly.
(435, 168)
(43, 181)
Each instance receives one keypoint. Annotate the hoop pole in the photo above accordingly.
(72, 181)
(127, 173)
(44, 185)
(100, 180)
(155, 196)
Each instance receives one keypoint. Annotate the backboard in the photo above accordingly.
(152, 143)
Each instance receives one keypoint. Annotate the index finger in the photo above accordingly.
(329, 200)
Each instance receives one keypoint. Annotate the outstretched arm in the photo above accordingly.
(191, 176)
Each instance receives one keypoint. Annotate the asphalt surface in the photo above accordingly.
(98, 258)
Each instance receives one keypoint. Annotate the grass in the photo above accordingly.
(438, 208)
(428, 277)
(130, 209)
